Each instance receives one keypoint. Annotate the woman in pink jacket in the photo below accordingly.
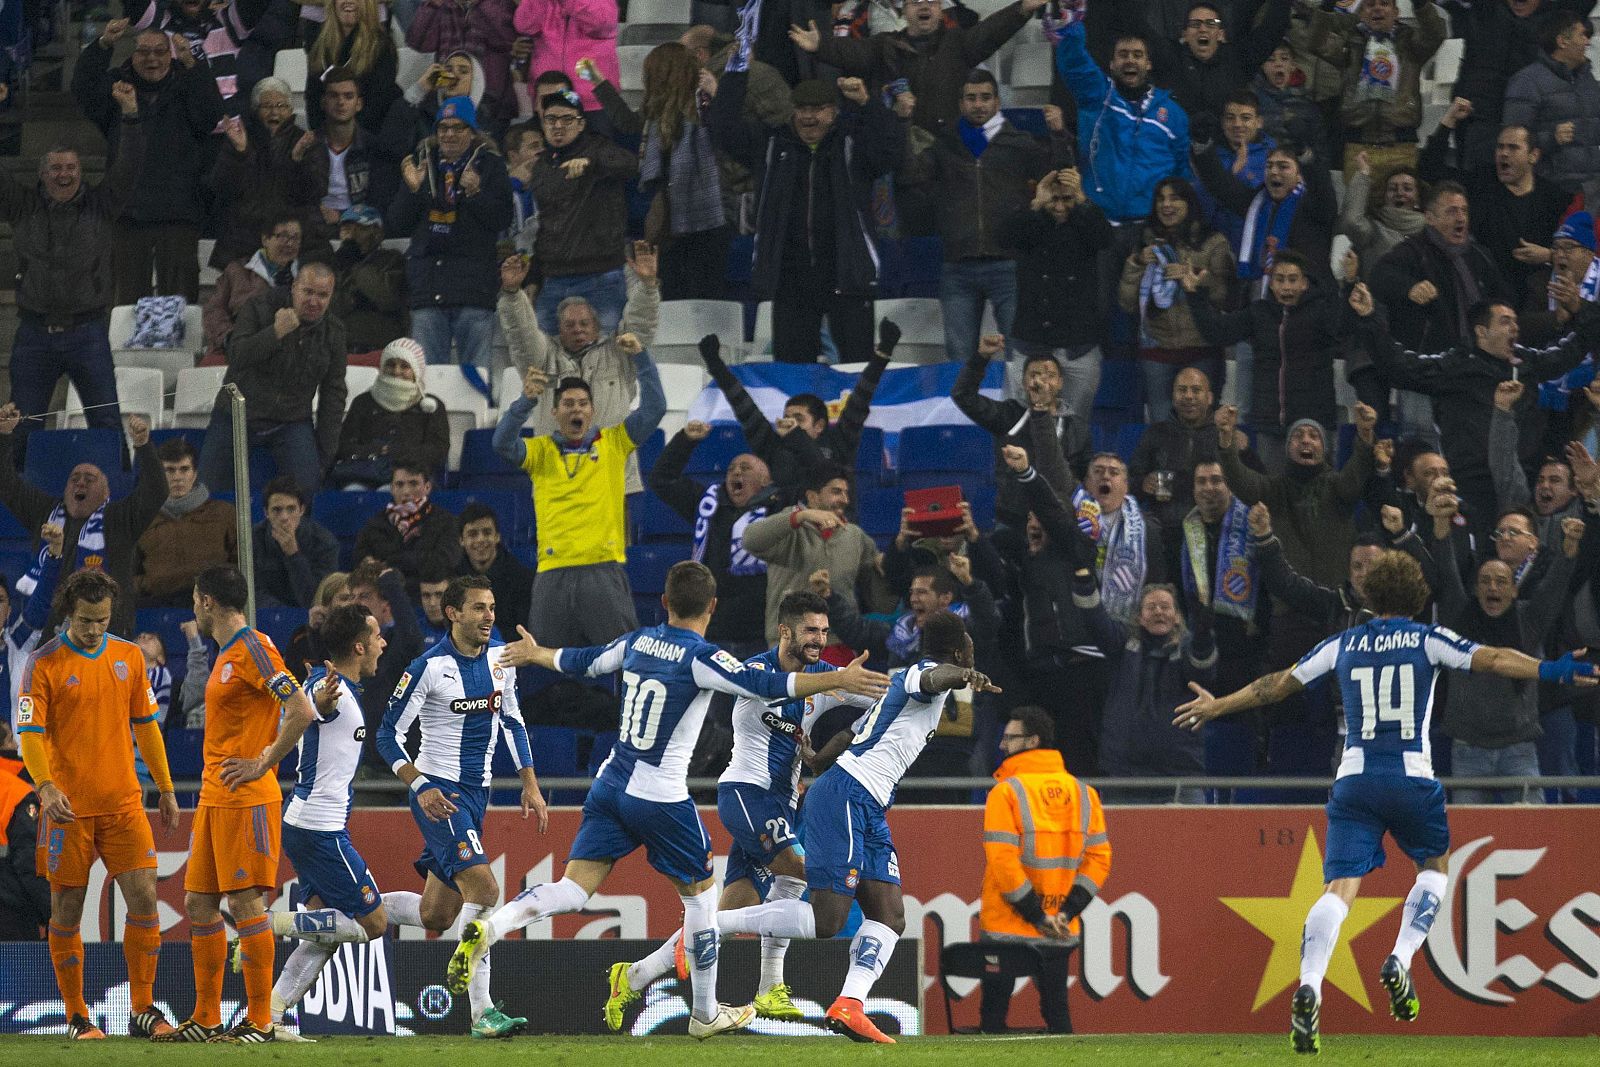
(565, 31)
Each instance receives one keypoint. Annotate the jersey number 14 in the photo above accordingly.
(642, 705)
(1386, 701)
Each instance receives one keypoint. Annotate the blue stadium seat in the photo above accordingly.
(280, 625)
(872, 458)
(514, 509)
(1128, 439)
(1121, 386)
(911, 267)
(712, 455)
(15, 559)
(527, 554)
(11, 529)
(878, 509)
(648, 566)
(655, 521)
(53, 453)
(647, 609)
(1346, 445)
(479, 457)
(945, 455)
(651, 450)
(185, 757)
(344, 514)
(982, 498)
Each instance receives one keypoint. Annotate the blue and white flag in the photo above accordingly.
(906, 396)
(745, 37)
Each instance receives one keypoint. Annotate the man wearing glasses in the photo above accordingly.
(1044, 837)
(1203, 67)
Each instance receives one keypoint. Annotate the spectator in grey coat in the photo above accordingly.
(1558, 99)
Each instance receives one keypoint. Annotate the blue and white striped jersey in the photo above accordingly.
(668, 676)
(766, 737)
(1386, 669)
(462, 704)
(330, 749)
(890, 737)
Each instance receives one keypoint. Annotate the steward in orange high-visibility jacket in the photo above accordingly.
(1044, 837)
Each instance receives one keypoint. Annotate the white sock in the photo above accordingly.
(869, 955)
(325, 926)
(531, 905)
(403, 909)
(657, 964)
(700, 938)
(775, 918)
(300, 972)
(1422, 905)
(478, 988)
(784, 887)
(1320, 935)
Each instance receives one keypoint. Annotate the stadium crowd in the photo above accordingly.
(1221, 198)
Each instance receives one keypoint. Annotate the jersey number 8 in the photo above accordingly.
(641, 710)
(1376, 702)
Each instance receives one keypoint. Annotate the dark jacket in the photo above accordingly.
(460, 268)
(1496, 211)
(1288, 114)
(1485, 710)
(741, 597)
(1545, 94)
(178, 115)
(1294, 352)
(512, 584)
(1432, 326)
(372, 176)
(1169, 445)
(1462, 380)
(1498, 44)
(379, 92)
(279, 378)
(262, 181)
(371, 432)
(64, 250)
(125, 521)
(370, 298)
(291, 581)
(793, 242)
(436, 539)
(1202, 87)
(1057, 278)
(973, 196)
(934, 65)
(1311, 230)
(1148, 678)
(582, 221)
(1010, 423)
(1340, 38)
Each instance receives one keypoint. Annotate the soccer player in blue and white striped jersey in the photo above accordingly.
(1386, 669)
(641, 795)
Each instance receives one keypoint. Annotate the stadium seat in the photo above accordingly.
(185, 752)
(16, 557)
(138, 393)
(412, 63)
(465, 405)
(357, 380)
(1121, 387)
(872, 457)
(630, 72)
(941, 455)
(291, 64)
(878, 509)
(1032, 68)
(713, 454)
(478, 456)
(195, 395)
(650, 451)
(209, 275)
(761, 335)
(682, 383)
(169, 361)
(344, 514)
(683, 322)
(280, 624)
(921, 322)
(648, 566)
(655, 521)
(1128, 437)
(912, 267)
(53, 453)
(11, 529)
(515, 510)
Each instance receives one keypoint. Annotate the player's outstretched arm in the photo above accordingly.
(948, 676)
(1268, 689)
(1569, 669)
(854, 678)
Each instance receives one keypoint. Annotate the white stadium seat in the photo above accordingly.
(921, 323)
(465, 406)
(682, 384)
(196, 393)
(357, 380)
(630, 70)
(139, 392)
(683, 322)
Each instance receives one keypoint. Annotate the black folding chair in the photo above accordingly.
(988, 959)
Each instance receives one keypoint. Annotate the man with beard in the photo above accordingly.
(1494, 722)
(62, 234)
(103, 535)
(1204, 68)
(933, 589)
(160, 223)
(721, 512)
(756, 800)
(1220, 574)
(1514, 210)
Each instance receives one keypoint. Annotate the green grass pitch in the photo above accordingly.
(1009, 1051)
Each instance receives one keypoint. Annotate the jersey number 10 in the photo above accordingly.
(1376, 702)
(641, 710)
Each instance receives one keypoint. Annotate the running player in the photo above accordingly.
(463, 700)
(255, 714)
(756, 800)
(78, 692)
(335, 885)
(850, 853)
(641, 795)
(1386, 669)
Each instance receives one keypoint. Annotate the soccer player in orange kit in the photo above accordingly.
(79, 691)
(234, 848)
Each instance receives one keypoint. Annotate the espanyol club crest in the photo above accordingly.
(121, 670)
(499, 674)
(226, 674)
(1161, 114)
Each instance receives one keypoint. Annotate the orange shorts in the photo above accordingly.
(233, 848)
(66, 850)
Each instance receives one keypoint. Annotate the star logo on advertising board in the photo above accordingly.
(1282, 919)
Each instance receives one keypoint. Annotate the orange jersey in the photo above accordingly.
(82, 703)
(244, 700)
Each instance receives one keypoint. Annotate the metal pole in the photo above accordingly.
(241, 499)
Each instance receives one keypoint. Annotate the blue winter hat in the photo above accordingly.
(362, 215)
(1579, 227)
(460, 108)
